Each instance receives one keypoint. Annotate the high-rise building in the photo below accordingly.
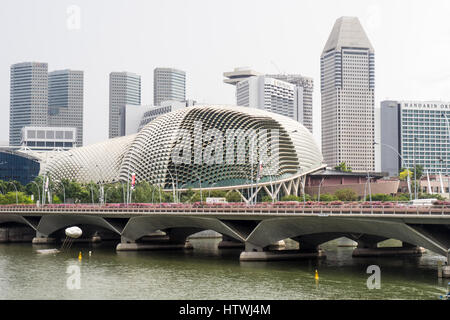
(124, 88)
(417, 130)
(168, 84)
(65, 101)
(347, 67)
(305, 87)
(269, 94)
(28, 98)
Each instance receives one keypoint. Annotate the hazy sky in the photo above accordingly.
(207, 37)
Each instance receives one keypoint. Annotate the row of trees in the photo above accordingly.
(347, 194)
(75, 192)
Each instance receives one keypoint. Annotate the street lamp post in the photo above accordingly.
(64, 191)
(92, 193)
(320, 184)
(173, 187)
(17, 199)
(402, 162)
(446, 160)
(209, 194)
(39, 191)
(200, 183)
(415, 169)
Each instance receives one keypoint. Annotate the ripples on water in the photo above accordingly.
(209, 273)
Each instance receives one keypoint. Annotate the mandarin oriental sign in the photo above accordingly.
(426, 105)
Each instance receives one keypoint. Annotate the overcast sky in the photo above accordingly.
(207, 37)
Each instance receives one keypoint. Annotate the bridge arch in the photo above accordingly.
(16, 219)
(138, 227)
(49, 224)
(272, 230)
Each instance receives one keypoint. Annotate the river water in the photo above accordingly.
(209, 273)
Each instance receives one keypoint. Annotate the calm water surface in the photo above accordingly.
(209, 273)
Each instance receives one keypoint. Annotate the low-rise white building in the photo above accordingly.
(49, 138)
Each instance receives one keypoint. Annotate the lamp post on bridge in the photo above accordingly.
(446, 160)
(402, 163)
(39, 191)
(17, 199)
(201, 194)
(320, 184)
(173, 187)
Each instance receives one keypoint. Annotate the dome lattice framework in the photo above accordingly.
(166, 151)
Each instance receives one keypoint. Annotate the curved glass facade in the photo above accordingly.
(17, 166)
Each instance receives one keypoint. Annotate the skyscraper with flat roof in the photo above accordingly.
(124, 88)
(168, 84)
(28, 98)
(305, 87)
(269, 94)
(417, 130)
(347, 68)
(65, 101)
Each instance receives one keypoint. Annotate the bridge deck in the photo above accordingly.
(228, 210)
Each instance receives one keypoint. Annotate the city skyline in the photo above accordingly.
(394, 29)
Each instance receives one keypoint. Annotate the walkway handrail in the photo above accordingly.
(232, 210)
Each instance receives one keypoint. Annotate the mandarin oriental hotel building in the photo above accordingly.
(419, 131)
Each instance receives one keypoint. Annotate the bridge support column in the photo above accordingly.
(16, 234)
(373, 251)
(154, 244)
(255, 253)
(229, 243)
(43, 239)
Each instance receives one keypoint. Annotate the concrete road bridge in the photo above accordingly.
(256, 227)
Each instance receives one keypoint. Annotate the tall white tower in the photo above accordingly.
(347, 76)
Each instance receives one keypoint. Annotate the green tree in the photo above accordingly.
(401, 197)
(346, 194)
(343, 167)
(382, 197)
(291, 197)
(327, 197)
(431, 196)
(10, 198)
(234, 196)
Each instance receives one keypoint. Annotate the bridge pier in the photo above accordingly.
(256, 253)
(364, 250)
(161, 243)
(229, 243)
(16, 234)
(43, 239)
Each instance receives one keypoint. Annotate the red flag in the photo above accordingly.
(133, 180)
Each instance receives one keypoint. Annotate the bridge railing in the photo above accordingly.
(230, 209)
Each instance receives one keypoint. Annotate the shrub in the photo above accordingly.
(346, 194)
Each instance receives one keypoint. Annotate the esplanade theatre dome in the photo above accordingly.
(199, 147)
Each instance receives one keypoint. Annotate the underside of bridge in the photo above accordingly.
(257, 234)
